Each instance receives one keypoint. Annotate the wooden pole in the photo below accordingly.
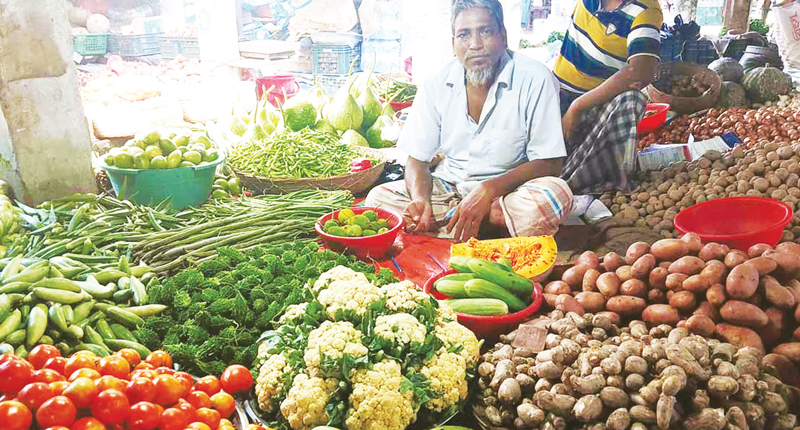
(740, 16)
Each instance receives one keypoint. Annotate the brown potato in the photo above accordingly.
(734, 258)
(696, 284)
(758, 249)
(706, 309)
(664, 264)
(763, 265)
(776, 293)
(612, 261)
(794, 288)
(658, 278)
(635, 251)
(796, 335)
(661, 314)
(675, 281)
(779, 321)
(693, 241)
(742, 282)
(656, 296)
(574, 275)
(567, 303)
(669, 249)
(740, 337)
(590, 280)
(641, 268)
(790, 350)
(716, 295)
(626, 305)
(591, 302)
(787, 372)
(713, 251)
(590, 259)
(788, 247)
(715, 271)
(687, 265)
(550, 299)
(613, 316)
(624, 273)
(633, 287)
(557, 287)
(788, 264)
(743, 314)
(684, 301)
(608, 284)
(700, 325)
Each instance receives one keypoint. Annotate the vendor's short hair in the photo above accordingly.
(493, 6)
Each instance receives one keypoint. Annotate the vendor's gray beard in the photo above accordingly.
(481, 77)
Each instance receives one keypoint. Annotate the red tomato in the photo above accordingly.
(15, 416)
(140, 390)
(208, 416)
(165, 371)
(236, 379)
(187, 381)
(198, 426)
(88, 423)
(41, 353)
(225, 422)
(199, 399)
(255, 427)
(79, 361)
(114, 365)
(159, 407)
(143, 373)
(168, 390)
(131, 356)
(111, 407)
(187, 408)
(174, 419)
(84, 373)
(34, 394)
(208, 384)
(47, 376)
(223, 403)
(57, 428)
(146, 366)
(109, 382)
(159, 358)
(57, 364)
(225, 427)
(58, 411)
(7, 357)
(82, 392)
(143, 416)
(14, 374)
(58, 387)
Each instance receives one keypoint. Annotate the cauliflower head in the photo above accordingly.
(453, 333)
(400, 328)
(304, 406)
(354, 295)
(338, 273)
(293, 314)
(403, 296)
(445, 314)
(269, 383)
(376, 402)
(447, 376)
(332, 340)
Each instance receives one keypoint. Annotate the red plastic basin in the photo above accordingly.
(653, 122)
(363, 247)
(739, 222)
(488, 327)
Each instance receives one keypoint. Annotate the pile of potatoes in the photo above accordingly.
(769, 169)
(596, 375)
(749, 299)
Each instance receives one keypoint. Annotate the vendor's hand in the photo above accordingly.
(471, 212)
(569, 121)
(418, 216)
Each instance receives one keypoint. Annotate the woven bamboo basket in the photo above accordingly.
(356, 183)
(686, 105)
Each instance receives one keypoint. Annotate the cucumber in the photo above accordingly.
(75, 333)
(512, 282)
(31, 274)
(117, 344)
(55, 273)
(5, 306)
(123, 265)
(139, 293)
(108, 275)
(37, 324)
(146, 310)
(54, 334)
(11, 268)
(66, 310)
(141, 271)
(82, 311)
(460, 264)
(463, 277)
(46, 339)
(98, 350)
(25, 309)
(57, 317)
(505, 264)
(6, 348)
(483, 289)
(16, 338)
(64, 348)
(124, 283)
(21, 352)
(147, 277)
(15, 287)
(451, 289)
(60, 296)
(124, 317)
(97, 291)
(10, 324)
(120, 332)
(122, 296)
(104, 329)
(485, 307)
(58, 284)
(92, 336)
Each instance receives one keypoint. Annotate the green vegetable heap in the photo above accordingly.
(218, 310)
(348, 224)
(358, 355)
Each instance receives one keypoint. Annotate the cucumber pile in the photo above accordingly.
(483, 287)
(66, 303)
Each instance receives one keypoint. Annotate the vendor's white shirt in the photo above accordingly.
(520, 121)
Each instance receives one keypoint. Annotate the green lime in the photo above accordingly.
(109, 159)
(159, 162)
(369, 233)
(172, 135)
(181, 140)
(383, 230)
(328, 225)
(167, 146)
(220, 194)
(344, 214)
(184, 149)
(202, 139)
(216, 187)
(361, 221)
(141, 161)
(188, 164)
(354, 230)
(153, 151)
(222, 183)
(124, 160)
(130, 142)
(350, 221)
(337, 231)
(174, 159)
(382, 223)
(211, 155)
(371, 215)
(235, 186)
(152, 138)
(193, 157)
(134, 150)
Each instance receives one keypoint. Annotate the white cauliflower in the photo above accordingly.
(445, 314)
(453, 333)
(354, 295)
(294, 313)
(304, 406)
(403, 296)
(400, 328)
(376, 402)
(332, 340)
(447, 376)
(338, 273)
(269, 384)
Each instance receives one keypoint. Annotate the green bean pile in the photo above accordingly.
(395, 90)
(293, 155)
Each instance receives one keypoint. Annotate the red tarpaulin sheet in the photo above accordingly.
(411, 253)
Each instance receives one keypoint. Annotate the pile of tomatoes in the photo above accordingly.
(117, 392)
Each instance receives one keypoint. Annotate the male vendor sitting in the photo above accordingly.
(496, 117)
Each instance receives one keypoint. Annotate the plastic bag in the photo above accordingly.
(788, 34)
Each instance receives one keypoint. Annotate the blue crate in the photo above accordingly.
(334, 59)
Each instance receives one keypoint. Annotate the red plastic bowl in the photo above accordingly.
(488, 327)
(363, 247)
(739, 222)
(653, 122)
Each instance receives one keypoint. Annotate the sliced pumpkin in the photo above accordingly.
(529, 256)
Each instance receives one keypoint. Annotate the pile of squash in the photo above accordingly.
(742, 87)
